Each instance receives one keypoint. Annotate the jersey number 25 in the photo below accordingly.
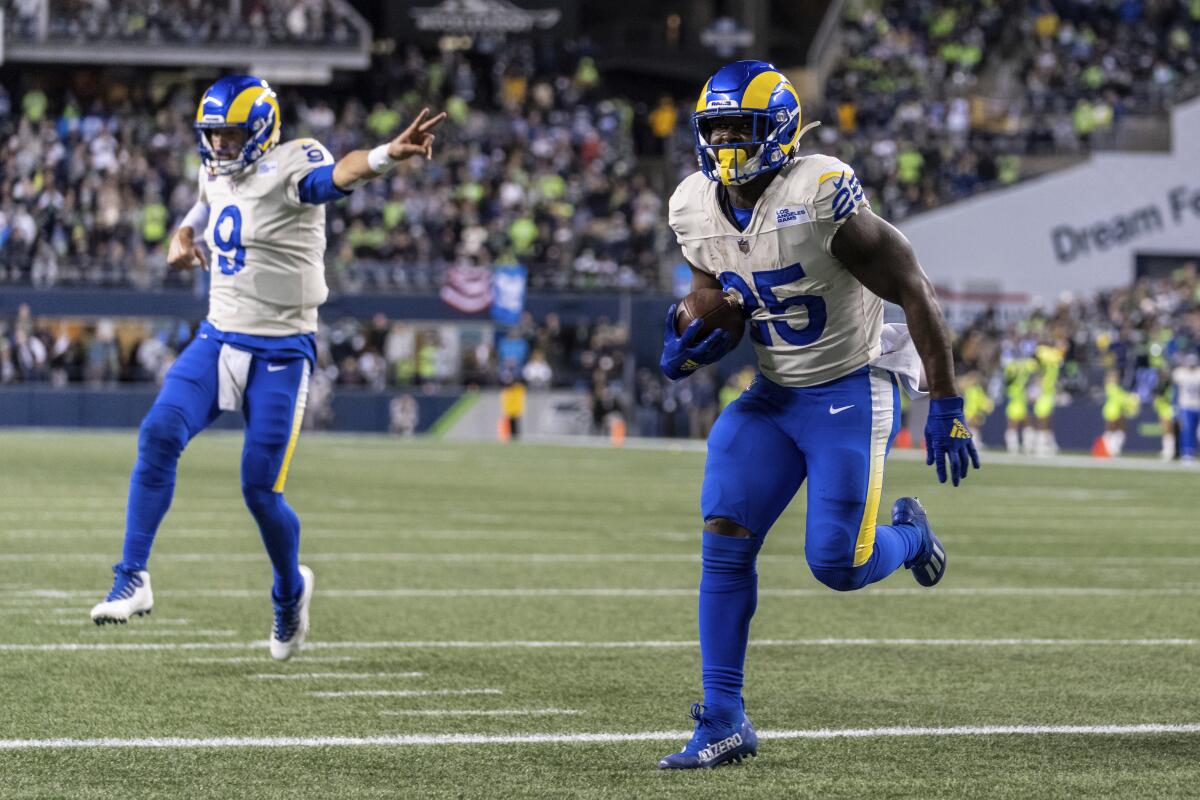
(763, 295)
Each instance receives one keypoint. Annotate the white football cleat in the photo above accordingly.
(291, 622)
(130, 597)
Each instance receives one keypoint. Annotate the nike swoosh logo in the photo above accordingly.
(833, 410)
(275, 367)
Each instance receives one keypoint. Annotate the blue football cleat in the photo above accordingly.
(930, 564)
(714, 743)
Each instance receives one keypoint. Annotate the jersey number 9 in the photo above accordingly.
(227, 236)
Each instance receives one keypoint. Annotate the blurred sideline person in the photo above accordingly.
(1119, 405)
(512, 409)
(1017, 374)
(261, 208)
(1186, 379)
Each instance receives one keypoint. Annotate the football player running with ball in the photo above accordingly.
(795, 240)
(261, 212)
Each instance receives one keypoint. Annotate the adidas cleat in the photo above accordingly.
(291, 621)
(715, 742)
(930, 564)
(130, 597)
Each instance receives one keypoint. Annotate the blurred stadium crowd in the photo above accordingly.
(544, 165)
(931, 102)
(1130, 337)
(935, 101)
(185, 22)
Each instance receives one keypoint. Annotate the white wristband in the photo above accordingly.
(379, 161)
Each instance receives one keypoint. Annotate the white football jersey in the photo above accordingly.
(811, 321)
(267, 248)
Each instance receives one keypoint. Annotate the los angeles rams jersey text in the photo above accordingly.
(811, 321)
(268, 248)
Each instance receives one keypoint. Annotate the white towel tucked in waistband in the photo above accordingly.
(899, 356)
(233, 370)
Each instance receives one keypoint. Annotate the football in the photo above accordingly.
(717, 308)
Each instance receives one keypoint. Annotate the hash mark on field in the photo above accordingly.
(157, 621)
(406, 693)
(346, 676)
(595, 738)
(467, 712)
(266, 660)
(147, 629)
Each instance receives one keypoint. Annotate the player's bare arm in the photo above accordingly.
(703, 280)
(359, 166)
(882, 260)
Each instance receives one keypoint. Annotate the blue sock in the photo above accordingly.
(161, 440)
(728, 598)
(280, 530)
(894, 545)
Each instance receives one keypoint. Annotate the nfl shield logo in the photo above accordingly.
(744, 246)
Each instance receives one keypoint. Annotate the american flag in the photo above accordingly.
(468, 288)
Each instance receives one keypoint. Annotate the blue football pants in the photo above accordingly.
(273, 406)
(762, 449)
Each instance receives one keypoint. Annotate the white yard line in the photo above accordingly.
(685, 592)
(343, 676)
(568, 644)
(405, 693)
(467, 712)
(557, 558)
(449, 739)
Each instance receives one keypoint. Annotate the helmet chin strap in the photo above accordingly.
(806, 129)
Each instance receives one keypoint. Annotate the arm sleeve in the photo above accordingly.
(310, 173)
(196, 218)
(317, 187)
(839, 197)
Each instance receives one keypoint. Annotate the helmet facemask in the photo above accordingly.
(261, 125)
(738, 162)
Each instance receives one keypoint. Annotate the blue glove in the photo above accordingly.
(682, 355)
(947, 436)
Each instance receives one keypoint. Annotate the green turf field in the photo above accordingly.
(522, 595)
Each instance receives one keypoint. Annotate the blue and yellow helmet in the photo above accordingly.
(754, 90)
(237, 101)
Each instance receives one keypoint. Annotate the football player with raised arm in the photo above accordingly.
(794, 238)
(262, 214)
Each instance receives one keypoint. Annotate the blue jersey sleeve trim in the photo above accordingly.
(318, 187)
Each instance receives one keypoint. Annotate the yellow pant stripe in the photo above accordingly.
(297, 419)
(881, 429)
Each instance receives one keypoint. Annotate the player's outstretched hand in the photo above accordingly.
(416, 140)
(183, 252)
(947, 437)
(683, 355)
